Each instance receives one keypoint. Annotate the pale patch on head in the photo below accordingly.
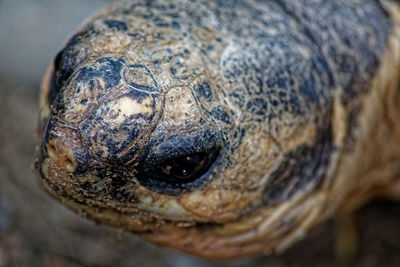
(126, 107)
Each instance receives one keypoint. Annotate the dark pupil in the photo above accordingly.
(185, 167)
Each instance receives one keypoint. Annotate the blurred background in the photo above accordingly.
(35, 230)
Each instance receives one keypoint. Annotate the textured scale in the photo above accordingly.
(292, 107)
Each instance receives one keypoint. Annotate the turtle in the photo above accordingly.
(220, 128)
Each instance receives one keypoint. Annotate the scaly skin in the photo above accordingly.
(296, 104)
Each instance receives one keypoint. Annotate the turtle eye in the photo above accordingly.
(185, 168)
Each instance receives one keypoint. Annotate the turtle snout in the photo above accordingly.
(63, 147)
(63, 162)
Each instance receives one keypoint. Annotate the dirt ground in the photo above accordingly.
(35, 230)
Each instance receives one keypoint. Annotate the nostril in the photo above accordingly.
(61, 154)
(69, 165)
(51, 151)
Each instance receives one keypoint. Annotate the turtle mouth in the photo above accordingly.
(133, 221)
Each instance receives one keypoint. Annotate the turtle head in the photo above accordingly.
(178, 136)
(141, 132)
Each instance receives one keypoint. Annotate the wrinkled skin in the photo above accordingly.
(289, 109)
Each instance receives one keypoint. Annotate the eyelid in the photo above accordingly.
(177, 146)
(207, 160)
